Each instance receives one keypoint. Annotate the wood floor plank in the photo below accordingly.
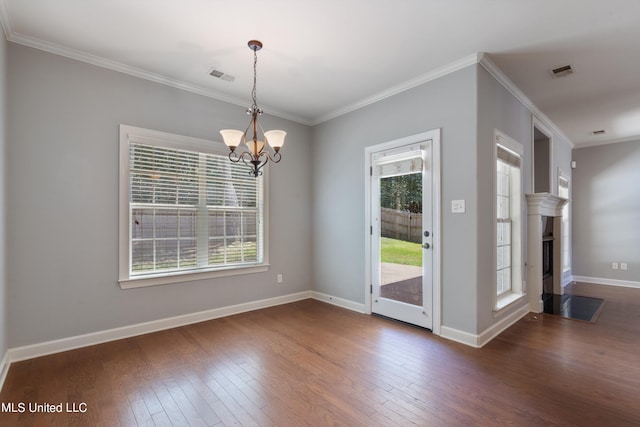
(310, 363)
(160, 419)
(169, 405)
(186, 406)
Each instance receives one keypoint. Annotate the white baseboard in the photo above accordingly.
(340, 302)
(65, 344)
(502, 325)
(608, 282)
(459, 336)
(490, 333)
(4, 368)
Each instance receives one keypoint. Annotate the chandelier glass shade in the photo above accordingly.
(253, 150)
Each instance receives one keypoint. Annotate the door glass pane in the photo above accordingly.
(401, 238)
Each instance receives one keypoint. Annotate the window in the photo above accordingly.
(563, 191)
(508, 192)
(187, 212)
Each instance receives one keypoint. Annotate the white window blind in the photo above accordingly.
(189, 210)
(508, 157)
(399, 167)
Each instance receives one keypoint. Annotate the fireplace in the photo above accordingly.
(544, 225)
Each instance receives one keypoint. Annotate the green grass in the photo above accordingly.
(400, 252)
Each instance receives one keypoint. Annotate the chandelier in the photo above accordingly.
(253, 151)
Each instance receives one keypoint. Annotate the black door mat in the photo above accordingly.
(573, 306)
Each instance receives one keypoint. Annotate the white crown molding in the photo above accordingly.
(35, 43)
(98, 61)
(501, 77)
(476, 58)
(432, 75)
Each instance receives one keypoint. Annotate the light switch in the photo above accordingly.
(457, 206)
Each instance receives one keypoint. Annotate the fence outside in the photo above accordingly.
(401, 225)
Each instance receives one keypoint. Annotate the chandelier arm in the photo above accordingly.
(268, 157)
(234, 157)
(246, 157)
(276, 157)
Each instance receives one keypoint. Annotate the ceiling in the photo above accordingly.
(324, 58)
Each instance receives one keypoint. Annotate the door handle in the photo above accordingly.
(426, 245)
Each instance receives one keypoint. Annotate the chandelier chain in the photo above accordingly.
(255, 67)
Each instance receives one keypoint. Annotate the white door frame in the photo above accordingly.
(434, 136)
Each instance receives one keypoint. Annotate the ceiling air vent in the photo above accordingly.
(599, 132)
(220, 75)
(562, 71)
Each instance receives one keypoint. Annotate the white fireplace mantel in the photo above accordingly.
(545, 204)
(539, 205)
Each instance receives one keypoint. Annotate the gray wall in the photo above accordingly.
(62, 205)
(606, 211)
(62, 160)
(497, 109)
(542, 164)
(4, 321)
(448, 103)
(562, 152)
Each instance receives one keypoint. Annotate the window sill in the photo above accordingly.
(183, 276)
(506, 301)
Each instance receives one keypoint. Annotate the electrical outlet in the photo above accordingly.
(623, 266)
(614, 265)
(279, 278)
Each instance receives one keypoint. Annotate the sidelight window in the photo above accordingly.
(508, 190)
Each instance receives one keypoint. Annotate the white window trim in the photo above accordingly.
(131, 133)
(518, 288)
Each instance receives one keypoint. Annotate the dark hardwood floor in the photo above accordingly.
(309, 363)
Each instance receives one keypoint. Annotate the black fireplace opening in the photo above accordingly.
(569, 306)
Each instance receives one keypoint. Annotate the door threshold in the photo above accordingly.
(400, 321)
